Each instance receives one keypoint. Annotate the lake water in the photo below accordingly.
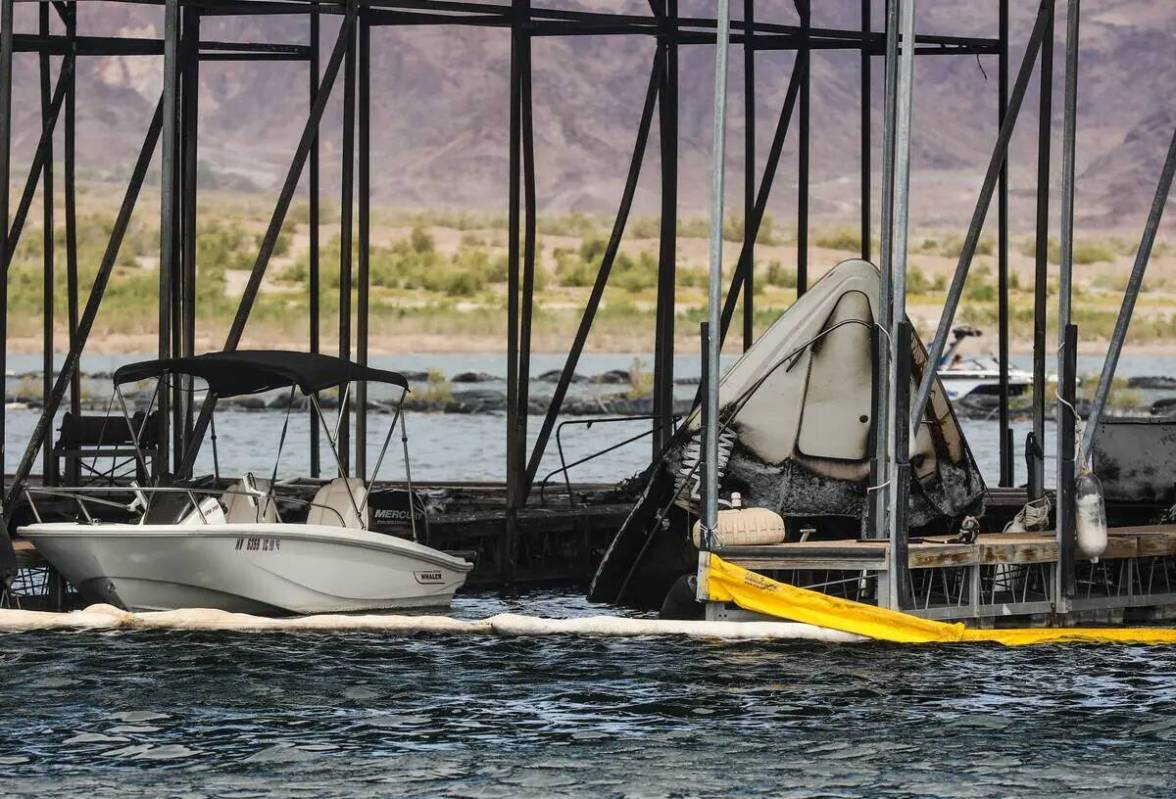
(458, 447)
(150, 715)
(365, 715)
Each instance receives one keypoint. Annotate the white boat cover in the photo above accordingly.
(797, 410)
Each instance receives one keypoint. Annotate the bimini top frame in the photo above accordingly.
(232, 373)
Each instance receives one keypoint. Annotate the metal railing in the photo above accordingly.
(565, 467)
(142, 503)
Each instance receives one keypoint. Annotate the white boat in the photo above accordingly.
(233, 550)
(973, 377)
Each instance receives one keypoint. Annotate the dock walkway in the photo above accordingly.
(1001, 575)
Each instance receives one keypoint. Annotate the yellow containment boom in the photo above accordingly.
(720, 581)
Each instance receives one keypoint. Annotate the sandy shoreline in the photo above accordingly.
(137, 344)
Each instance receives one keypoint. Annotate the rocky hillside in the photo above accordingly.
(440, 112)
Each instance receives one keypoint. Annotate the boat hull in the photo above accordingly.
(248, 568)
(959, 383)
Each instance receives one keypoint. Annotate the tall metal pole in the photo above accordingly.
(1069, 153)
(190, 105)
(748, 172)
(312, 283)
(72, 471)
(866, 132)
(1041, 264)
(667, 106)
(47, 241)
(1067, 334)
(179, 268)
(169, 157)
(346, 212)
(1002, 250)
(980, 212)
(900, 353)
(803, 55)
(7, 555)
(512, 256)
(365, 178)
(710, 494)
(530, 231)
(514, 424)
(1067, 422)
(883, 422)
(1130, 295)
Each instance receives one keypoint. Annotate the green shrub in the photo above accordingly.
(1091, 252)
(695, 227)
(635, 274)
(645, 227)
(732, 228)
(573, 225)
(697, 278)
(592, 249)
(843, 239)
(499, 270)
(918, 282)
(421, 239)
(572, 271)
(781, 276)
(640, 380)
(437, 388)
(298, 271)
(980, 292)
(1086, 252)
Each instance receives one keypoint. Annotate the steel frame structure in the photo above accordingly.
(173, 131)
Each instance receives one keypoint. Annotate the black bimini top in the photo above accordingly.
(237, 372)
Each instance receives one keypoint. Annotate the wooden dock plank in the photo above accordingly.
(1157, 540)
(939, 551)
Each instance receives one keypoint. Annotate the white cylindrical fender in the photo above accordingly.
(745, 527)
(1090, 516)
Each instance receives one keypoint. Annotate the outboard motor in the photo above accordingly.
(400, 513)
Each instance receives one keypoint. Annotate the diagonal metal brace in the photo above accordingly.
(285, 197)
(85, 324)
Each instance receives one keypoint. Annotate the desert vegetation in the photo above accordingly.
(439, 278)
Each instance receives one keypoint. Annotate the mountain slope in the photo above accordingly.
(440, 112)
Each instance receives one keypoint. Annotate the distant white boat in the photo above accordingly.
(232, 550)
(974, 377)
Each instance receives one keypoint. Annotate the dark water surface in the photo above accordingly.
(368, 715)
(173, 714)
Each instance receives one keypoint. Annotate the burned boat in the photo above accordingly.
(794, 420)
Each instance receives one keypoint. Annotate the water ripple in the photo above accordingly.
(366, 715)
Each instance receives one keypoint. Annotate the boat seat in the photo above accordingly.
(334, 506)
(241, 507)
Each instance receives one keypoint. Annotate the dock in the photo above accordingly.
(1007, 579)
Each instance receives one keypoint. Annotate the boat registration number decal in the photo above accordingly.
(258, 544)
(429, 577)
